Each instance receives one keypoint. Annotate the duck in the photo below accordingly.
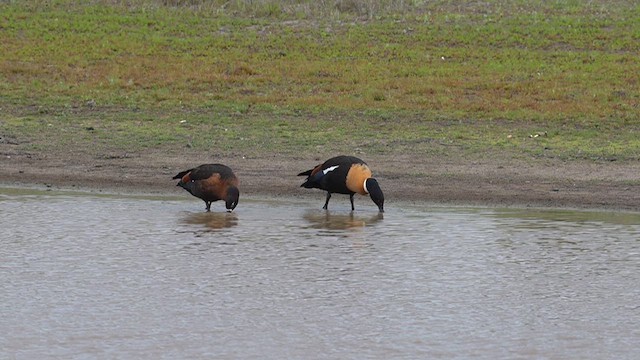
(211, 182)
(344, 175)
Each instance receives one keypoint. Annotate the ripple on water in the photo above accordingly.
(117, 276)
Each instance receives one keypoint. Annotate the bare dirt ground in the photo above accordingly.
(497, 181)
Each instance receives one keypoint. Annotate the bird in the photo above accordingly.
(344, 175)
(211, 182)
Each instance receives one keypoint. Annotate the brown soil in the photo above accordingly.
(498, 181)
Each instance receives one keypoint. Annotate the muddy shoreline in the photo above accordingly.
(496, 182)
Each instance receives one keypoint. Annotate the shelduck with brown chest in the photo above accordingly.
(211, 182)
(344, 175)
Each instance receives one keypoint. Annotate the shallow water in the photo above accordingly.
(88, 276)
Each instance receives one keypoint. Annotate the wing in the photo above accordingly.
(206, 171)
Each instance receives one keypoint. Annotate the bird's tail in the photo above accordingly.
(182, 174)
(308, 184)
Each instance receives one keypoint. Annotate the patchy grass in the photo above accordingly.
(291, 77)
(228, 132)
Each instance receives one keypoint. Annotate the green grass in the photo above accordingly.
(294, 76)
(228, 132)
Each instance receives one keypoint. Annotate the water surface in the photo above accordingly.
(89, 276)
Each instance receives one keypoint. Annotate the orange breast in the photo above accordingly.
(213, 186)
(356, 177)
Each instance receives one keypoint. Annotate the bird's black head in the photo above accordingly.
(375, 192)
(233, 196)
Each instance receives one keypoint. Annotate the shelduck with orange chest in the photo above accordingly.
(344, 175)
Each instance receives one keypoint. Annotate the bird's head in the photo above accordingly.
(233, 196)
(375, 192)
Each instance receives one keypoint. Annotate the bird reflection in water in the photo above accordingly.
(212, 220)
(342, 221)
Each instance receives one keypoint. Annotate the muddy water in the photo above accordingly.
(86, 276)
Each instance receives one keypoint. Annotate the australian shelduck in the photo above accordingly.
(344, 175)
(211, 182)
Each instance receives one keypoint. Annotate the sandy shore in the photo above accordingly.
(489, 182)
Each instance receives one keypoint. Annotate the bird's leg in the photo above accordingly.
(351, 198)
(326, 203)
(208, 205)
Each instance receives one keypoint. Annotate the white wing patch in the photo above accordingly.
(329, 169)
